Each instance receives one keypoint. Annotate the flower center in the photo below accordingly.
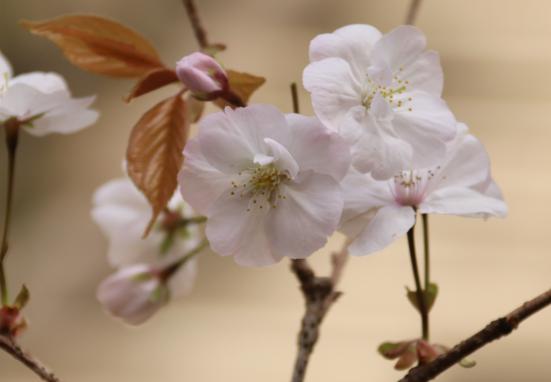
(392, 92)
(410, 186)
(261, 186)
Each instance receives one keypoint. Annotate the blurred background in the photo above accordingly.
(240, 324)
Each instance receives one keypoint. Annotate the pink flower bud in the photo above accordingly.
(202, 75)
(134, 293)
(12, 322)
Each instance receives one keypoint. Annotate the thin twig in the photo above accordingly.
(412, 11)
(198, 29)
(493, 331)
(426, 246)
(319, 295)
(11, 347)
(420, 294)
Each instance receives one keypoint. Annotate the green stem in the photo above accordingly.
(173, 268)
(425, 219)
(418, 288)
(11, 128)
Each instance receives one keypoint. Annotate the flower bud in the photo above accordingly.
(134, 293)
(202, 75)
(12, 322)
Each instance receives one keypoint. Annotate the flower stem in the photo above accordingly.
(425, 219)
(11, 128)
(412, 11)
(173, 268)
(418, 288)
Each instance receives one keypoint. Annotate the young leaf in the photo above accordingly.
(153, 80)
(99, 45)
(429, 295)
(154, 153)
(22, 298)
(467, 363)
(242, 86)
(392, 350)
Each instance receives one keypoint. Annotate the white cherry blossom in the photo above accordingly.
(383, 93)
(268, 183)
(42, 102)
(122, 212)
(378, 212)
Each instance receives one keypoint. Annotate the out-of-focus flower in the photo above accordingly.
(383, 93)
(134, 293)
(268, 183)
(378, 212)
(202, 75)
(153, 269)
(42, 103)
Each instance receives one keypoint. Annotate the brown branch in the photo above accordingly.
(493, 331)
(200, 32)
(12, 348)
(412, 11)
(319, 294)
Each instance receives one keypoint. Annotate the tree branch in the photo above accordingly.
(12, 348)
(200, 32)
(319, 294)
(493, 331)
(412, 11)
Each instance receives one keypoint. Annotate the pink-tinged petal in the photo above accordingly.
(388, 224)
(43, 82)
(362, 193)
(312, 138)
(425, 74)
(302, 221)
(400, 47)
(126, 295)
(235, 229)
(352, 43)
(462, 201)
(334, 89)
(6, 71)
(427, 114)
(201, 74)
(181, 283)
(379, 152)
(70, 116)
(427, 150)
(200, 183)
(230, 139)
(23, 101)
(467, 164)
(283, 159)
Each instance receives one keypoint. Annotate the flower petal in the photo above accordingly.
(283, 158)
(317, 148)
(425, 74)
(399, 47)
(463, 202)
(334, 89)
(388, 224)
(6, 71)
(43, 82)
(302, 222)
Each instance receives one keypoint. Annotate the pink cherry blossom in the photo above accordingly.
(202, 75)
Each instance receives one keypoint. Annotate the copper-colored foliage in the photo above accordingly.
(154, 152)
(153, 80)
(99, 45)
(243, 85)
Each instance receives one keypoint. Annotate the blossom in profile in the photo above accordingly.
(383, 94)
(202, 75)
(151, 270)
(267, 182)
(378, 212)
(42, 103)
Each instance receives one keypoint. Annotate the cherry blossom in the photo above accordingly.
(378, 212)
(383, 93)
(268, 183)
(42, 103)
(202, 75)
(168, 252)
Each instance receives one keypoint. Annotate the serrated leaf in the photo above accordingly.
(99, 45)
(22, 298)
(467, 363)
(429, 294)
(242, 86)
(154, 153)
(153, 80)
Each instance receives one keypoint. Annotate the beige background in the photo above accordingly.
(240, 324)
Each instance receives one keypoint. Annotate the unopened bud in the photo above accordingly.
(202, 75)
(12, 322)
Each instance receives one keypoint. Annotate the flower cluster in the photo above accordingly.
(382, 147)
(150, 271)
